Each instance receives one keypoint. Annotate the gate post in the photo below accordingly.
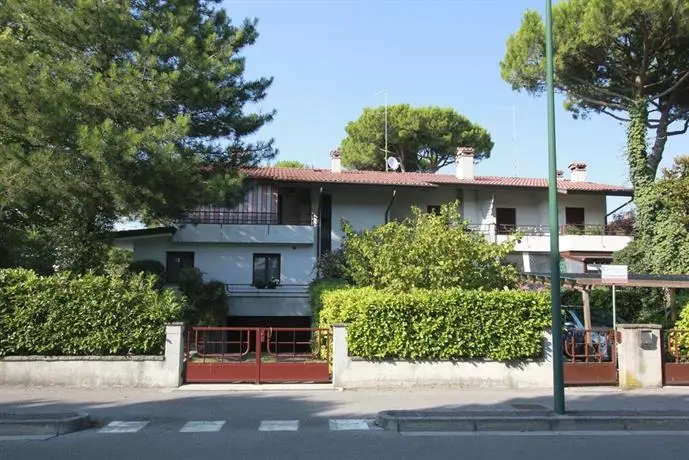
(174, 353)
(340, 354)
(640, 356)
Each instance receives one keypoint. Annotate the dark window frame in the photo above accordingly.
(266, 283)
(433, 208)
(505, 228)
(169, 255)
(581, 223)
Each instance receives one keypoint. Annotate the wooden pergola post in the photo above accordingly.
(586, 297)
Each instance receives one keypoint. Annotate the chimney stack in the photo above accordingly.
(464, 167)
(577, 172)
(560, 174)
(335, 161)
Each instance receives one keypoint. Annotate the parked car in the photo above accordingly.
(599, 337)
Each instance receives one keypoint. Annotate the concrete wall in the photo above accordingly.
(255, 234)
(99, 371)
(352, 372)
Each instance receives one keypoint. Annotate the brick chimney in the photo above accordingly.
(560, 174)
(464, 166)
(335, 161)
(577, 172)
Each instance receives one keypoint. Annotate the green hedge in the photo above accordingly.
(439, 324)
(71, 315)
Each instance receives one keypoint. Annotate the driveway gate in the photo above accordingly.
(590, 357)
(257, 355)
(675, 357)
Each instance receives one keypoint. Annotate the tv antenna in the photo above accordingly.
(385, 94)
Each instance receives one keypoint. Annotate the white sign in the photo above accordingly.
(614, 273)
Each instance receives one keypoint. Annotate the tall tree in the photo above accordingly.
(422, 138)
(290, 164)
(127, 108)
(628, 59)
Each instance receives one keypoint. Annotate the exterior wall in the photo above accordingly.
(351, 372)
(254, 234)
(363, 209)
(232, 264)
(421, 198)
(99, 371)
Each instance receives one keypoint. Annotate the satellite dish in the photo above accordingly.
(393, 163)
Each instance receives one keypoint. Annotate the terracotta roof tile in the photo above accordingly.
(422, 179)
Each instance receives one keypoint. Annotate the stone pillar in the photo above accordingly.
(340, 354)
(640, 356)
(174, 353)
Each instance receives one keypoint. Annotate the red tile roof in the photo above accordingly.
(422, 180)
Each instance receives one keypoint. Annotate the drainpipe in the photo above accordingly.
(318, 228)
(387, 210)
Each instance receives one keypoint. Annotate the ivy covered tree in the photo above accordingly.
(428, 250)
(421, 138)
(118, 108)
(627, 59)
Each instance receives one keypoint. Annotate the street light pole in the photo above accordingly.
(558, 374)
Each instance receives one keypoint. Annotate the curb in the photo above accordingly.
(43, 424)
(413, 421)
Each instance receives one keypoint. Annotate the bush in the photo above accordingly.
(206, 301)
(316, 290)
(152, 267)
(427, 251)
(71, 315)
(439, 324)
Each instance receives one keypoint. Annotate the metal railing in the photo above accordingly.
(596, 345)
(676, 346)
(230, 217)
(544, 230)
(283, 290)
(206, 344)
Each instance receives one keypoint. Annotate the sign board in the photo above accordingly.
(614, 273)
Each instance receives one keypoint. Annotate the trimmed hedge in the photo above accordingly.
(71, 315)
(439, 324)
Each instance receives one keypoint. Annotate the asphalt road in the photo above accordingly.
(322, 425)
(160, 442)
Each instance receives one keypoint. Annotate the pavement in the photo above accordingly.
(305, 424)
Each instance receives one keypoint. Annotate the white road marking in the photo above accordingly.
(202, 426)
(279, 425)
(349, 425)
(123, 427)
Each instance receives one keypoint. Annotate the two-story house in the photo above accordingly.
(265, 248)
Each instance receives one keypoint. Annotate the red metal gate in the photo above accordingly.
(676, 357)
(257, 355)
(590, 357)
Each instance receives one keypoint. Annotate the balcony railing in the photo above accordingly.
(222, 216)
(544, 230)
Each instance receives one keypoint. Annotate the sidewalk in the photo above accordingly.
(252, 407)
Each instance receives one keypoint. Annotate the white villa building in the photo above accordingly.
(265, 248)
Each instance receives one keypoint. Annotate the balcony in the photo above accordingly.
(228, 226)
(536, 238)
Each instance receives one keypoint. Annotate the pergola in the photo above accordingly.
(584, 282)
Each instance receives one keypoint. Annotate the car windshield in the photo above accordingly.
(599, 317)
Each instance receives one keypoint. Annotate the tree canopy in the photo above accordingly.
(669, 196)
(429, 251)
(290, 164)
(628, 59)
(110, 109)
(422, 138)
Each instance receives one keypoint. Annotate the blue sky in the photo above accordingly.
(330, 58)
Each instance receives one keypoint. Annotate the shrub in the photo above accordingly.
(439, 324)
(71, 315)
(150, 266)
(316, 290)
(428, 251)
(206, 301)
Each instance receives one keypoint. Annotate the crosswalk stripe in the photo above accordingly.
(279, 425)
(123, 427)
(349, 425)
(199, 426)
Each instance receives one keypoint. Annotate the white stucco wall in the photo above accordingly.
(352, 372)
(363, 209)
(99, 371)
